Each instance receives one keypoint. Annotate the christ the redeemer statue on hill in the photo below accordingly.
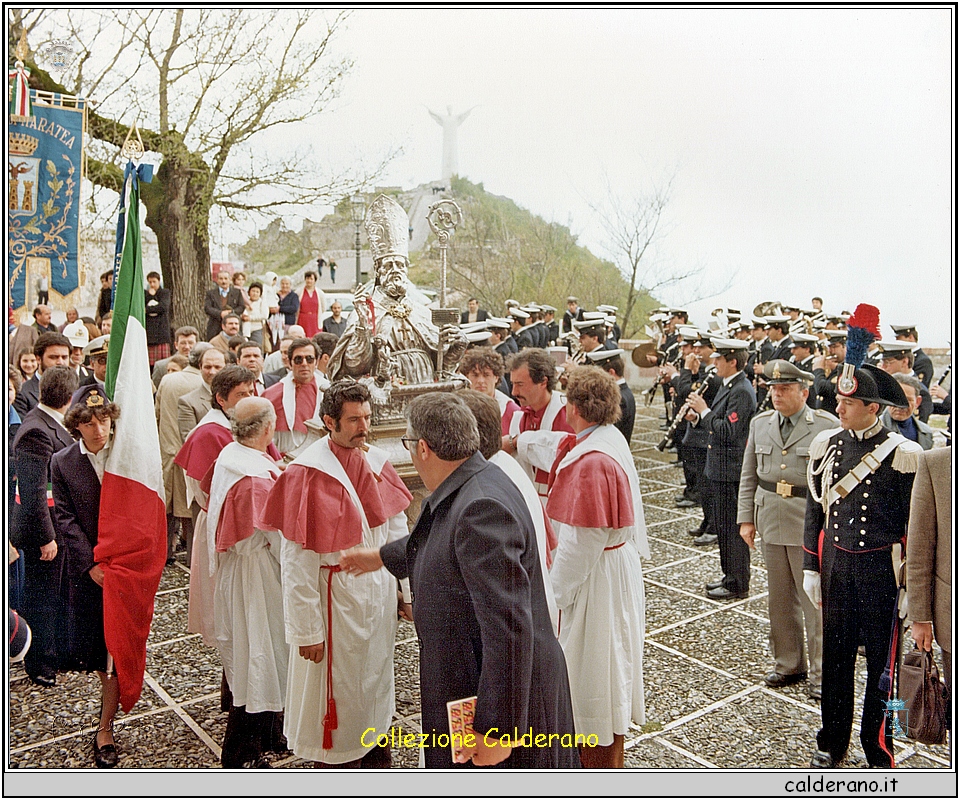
(449, 123)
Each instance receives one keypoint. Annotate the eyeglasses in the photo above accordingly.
(408, 439)
(304, 359)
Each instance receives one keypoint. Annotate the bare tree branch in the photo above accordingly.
(203, 85)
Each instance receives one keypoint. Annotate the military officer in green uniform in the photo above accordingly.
(771, 503)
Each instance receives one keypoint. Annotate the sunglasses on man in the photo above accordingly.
(304, 359)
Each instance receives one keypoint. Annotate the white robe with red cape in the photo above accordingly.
(294, 408)
(196, 457)
(507, 409)
(248, 602)
(308, 507)
(596, 510)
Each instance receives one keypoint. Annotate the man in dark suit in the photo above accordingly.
(573, 314)
(778, 329)
(520, 328)
(40, 436)
(478, 598)
(501, 339)
(611, 311)
(826, 371)
(221, 300)
(803, 354)
(612, 361)
(76, 513)
(106, 295)
(760, 349)
(592, 335)
(904, 420)
(850, 528)
(553, 327)
(922, 364)
(51, 350)
(250, 356)
(727, 421)
(898, 358)
(473, 313)
(698, 369)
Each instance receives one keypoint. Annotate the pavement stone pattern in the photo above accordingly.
(704, 662)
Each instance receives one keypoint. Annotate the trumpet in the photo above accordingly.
(681, 413)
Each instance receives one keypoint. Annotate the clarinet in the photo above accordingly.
(699, 392)
(650, 393)
(767, 401)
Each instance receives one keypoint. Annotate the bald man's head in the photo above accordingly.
(253, 419)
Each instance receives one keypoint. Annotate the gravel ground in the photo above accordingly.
(652, 754)
(663, 551)
(716, 638)
(748, 743)
(721, 713)
(666, 606)
(676, 687)
(169, 617)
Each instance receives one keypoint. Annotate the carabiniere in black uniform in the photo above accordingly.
(849, 543)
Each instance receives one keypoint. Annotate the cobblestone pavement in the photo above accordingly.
(707, 706)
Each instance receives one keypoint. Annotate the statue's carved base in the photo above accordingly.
(390, 404)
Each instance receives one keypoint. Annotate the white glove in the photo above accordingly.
(811, 586)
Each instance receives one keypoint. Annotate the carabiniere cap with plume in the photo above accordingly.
(863, 328)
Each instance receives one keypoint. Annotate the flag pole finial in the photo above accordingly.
(22, 49)
(132, 148)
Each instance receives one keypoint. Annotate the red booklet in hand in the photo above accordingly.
(460, 719)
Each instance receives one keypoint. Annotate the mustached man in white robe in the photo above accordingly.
(594, 505)
(248, 602)
(337, 494)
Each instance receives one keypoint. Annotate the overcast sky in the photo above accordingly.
(812, 149)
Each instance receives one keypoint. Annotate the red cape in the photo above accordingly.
(242, 510)
(201, 449)
(199, 453)
(314, 509)
(592, 492)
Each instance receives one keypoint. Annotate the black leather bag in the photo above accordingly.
(924, 694)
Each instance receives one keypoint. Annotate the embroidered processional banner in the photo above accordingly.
(45, 164)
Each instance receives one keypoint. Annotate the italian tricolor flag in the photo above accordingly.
(132, 540)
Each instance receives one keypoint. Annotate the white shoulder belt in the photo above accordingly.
(867, 465)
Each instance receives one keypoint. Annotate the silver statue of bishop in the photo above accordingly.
(390, 336)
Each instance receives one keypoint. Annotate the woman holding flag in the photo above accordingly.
(76, 474)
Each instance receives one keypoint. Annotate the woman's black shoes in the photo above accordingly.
(105, 756)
